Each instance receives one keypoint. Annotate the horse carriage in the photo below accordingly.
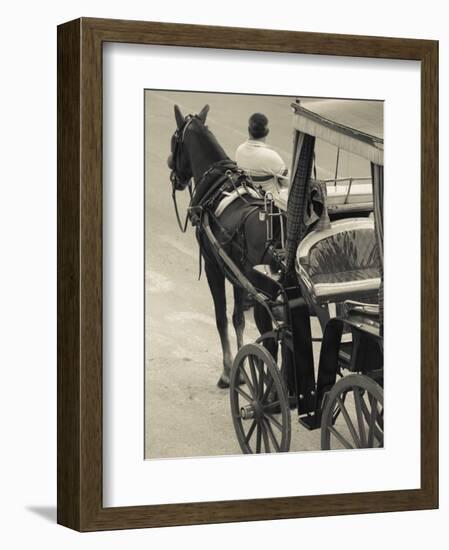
(311, 263)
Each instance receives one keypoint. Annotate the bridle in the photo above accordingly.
(179, 136)
(176, 182)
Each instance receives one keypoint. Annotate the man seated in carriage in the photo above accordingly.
(262, 163)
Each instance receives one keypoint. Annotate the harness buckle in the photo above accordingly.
(195, 214)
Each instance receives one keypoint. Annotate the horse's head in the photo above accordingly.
(179, 160)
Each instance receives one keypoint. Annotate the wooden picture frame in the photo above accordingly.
(80, 503)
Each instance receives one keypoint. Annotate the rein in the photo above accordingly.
(182, 226)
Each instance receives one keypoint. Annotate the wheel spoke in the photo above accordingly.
(266, 443)
(243, 393)
(365, 411)
(377, 433)
(272, 436)
(337, 411)
(380, 418)
(271, 406)
(260, 368)
(380, 437)
(340, 438)
(273, 420)
(248, 381)
(252, 368)
(372, 422)
(349, 423)
(335, 415)
(250, 431)
(258, 438)
(358, 407)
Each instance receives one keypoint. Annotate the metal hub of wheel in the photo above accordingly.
(353, 413)
(260, 408)
(248, 412)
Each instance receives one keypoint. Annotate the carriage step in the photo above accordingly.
(311, 421)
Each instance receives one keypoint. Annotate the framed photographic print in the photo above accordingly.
(247, 274)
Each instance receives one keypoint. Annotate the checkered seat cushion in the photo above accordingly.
(341, 262)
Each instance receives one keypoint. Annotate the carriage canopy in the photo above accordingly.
(348, 129)
(347, 125)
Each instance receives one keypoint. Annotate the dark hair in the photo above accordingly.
(258, 125)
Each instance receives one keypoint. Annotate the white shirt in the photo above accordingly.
(258, 159)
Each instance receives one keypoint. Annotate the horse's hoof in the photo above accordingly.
(223, 383)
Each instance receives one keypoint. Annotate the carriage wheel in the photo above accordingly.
(353, 412)
(260, 409)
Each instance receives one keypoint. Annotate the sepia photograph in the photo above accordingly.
(263, 274)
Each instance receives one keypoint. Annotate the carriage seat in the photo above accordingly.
(341, 262)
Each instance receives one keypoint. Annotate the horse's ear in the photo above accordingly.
(203, 113)
(179, 117)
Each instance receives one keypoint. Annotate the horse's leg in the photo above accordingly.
(238, 317)
(216, 281)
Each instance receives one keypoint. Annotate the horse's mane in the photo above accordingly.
(208, 142)
(215, 143)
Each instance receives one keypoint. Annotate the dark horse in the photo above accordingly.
(194, 154)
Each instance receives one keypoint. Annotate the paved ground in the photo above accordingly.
(186, 414)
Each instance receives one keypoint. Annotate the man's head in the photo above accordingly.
(258, 126)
